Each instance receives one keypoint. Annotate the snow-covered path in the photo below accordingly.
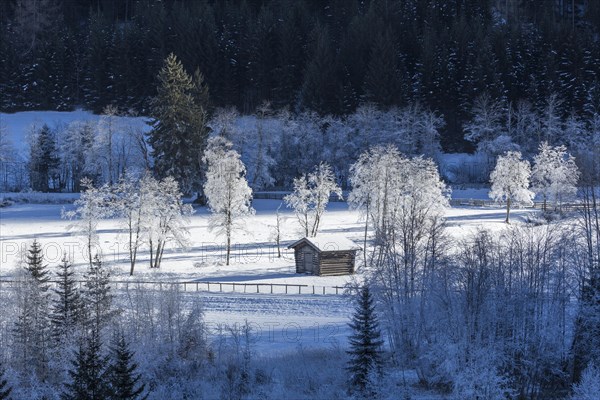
(282, 321)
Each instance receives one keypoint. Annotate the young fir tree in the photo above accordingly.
(89, 374)
(383, 81)
(123, 377)
(365, 343)
(36, 267)
(65, 309)
(179, 131)
(97, 297)
(5, 389)
(32, 328)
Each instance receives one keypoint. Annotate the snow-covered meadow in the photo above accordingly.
(254, 261)
(254, 253)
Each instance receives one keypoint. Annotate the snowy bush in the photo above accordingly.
(589, 386)
(480, 378)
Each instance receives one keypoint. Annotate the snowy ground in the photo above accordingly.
(279, 321)
(254, 254)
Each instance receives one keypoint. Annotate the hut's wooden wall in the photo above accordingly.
(324, 263)
(337, 263)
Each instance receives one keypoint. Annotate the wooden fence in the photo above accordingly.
(214, 287)
(565, 207)
(539, 205)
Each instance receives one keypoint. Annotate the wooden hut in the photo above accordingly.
(325, 255)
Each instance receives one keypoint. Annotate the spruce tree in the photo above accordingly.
(34, 264)
(89, 375)
(179, 131)
(123, 377)
(43, 160)
(32, 328)
(321, 89)
(382, 81)
(5, 389)
(97, 297)
(365, 343)
(66, 305)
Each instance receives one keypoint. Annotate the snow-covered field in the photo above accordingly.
(279, 320)
(254, 254)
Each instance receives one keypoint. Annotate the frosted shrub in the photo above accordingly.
(589, 386)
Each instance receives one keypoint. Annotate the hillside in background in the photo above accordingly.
(326, 56)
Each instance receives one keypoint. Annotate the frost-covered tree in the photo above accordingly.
(226, 189)
(554, 174)
(403, 201)
(486, 124)
(589, 386)
(586, 338)
(223, 123)
(75, 147)
(165, 216)
(523, 126)
(551, 126)
(43, 160)
(575, 134)
(300, 200)
(391, 189)
(510, 181)
(310, 197)
(132, 200)
(6, 145)
(35, 266)
(105, 143)
(32, 326)
(365, 343)
(428, 136)
(97, 297)
(66, 307)
(276, 232)
(90, 208)
(261, 174)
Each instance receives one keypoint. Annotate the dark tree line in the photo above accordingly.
(328, 56)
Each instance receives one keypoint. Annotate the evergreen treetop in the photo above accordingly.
(34, 264)
(89, 372)
(123, 377)
(66, 306)
(179, 132)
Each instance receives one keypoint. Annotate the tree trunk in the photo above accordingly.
(366, 232)
(151, 253)
(507, 210)
(228, 248)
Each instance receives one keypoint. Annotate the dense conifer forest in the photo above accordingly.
(325, 56)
